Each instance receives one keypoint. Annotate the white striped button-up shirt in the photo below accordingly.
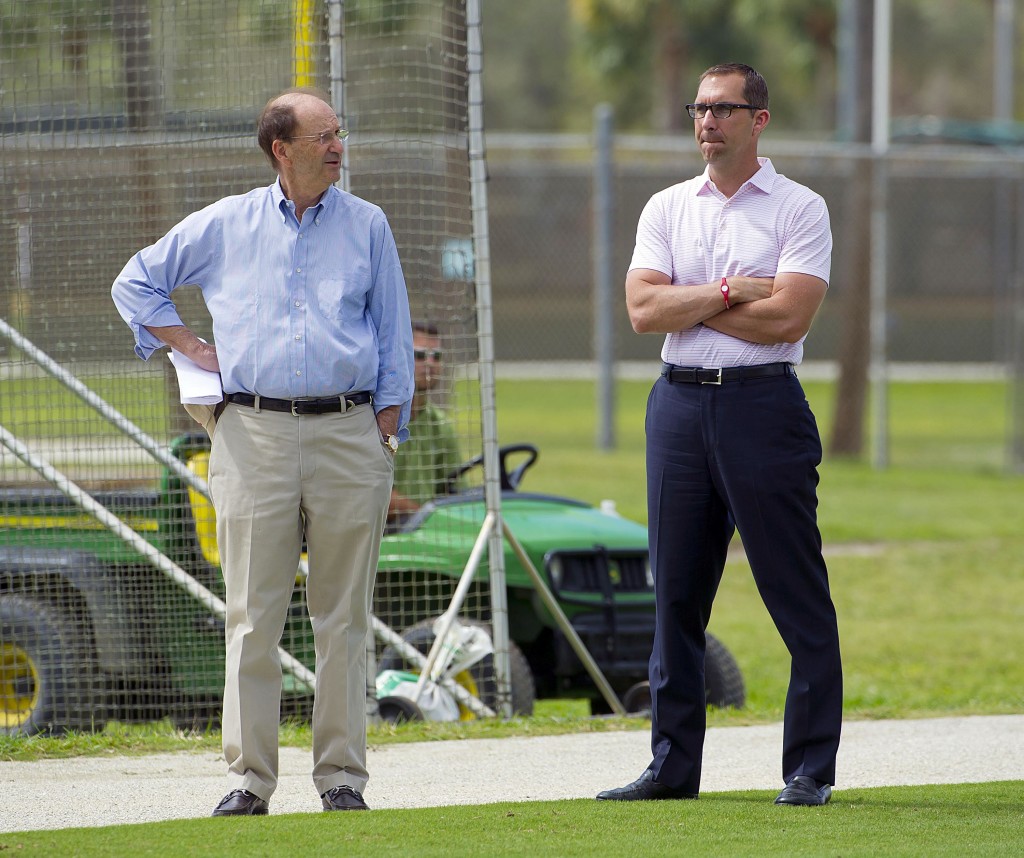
(696, 235)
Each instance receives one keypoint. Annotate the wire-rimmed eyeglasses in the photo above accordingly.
(720, 109)
(324, 137)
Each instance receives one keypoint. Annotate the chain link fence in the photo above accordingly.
(118, 119)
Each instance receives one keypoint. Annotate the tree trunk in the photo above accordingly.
(670, 50)
(847, 437)
(855, 344)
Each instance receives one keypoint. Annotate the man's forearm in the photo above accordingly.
(387, 420)
(657, 307)
(181, 339)
(784, 317)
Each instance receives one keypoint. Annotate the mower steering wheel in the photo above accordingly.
(510, 480)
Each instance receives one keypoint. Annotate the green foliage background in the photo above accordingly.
(548, 62)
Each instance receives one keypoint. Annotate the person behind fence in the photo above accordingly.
(313, 341)
(732, 266)
(432, 452)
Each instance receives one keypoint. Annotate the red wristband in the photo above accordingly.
(725, 292)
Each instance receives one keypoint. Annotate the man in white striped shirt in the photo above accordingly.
(732, 266)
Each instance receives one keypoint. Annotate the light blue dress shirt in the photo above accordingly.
(299, 310)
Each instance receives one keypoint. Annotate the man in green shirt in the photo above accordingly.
(432, 450)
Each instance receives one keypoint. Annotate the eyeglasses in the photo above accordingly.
(423, 354)
(720, 109)
(324, 137)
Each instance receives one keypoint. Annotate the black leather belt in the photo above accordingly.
(717, 375)
(327, 405)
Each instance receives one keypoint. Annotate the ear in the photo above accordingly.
(761, 120)
(278, 147)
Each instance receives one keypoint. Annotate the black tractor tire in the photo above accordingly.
(722, 677)
(479, 679)
(723, 684)
(49, 682)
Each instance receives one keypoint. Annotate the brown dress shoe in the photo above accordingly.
(241, 802)
(644, 788)
(343, 798)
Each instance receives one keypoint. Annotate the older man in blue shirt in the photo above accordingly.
(313, 341)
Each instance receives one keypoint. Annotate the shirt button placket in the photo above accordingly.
(299, 315)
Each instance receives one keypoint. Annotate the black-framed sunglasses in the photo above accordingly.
(720, 109)
(423, 354)
(324, 137)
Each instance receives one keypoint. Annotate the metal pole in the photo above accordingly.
(1010, 266)
(303, 29)
(485, 340)
(107, 411)
(336, 46)
(604, 335)
(1015, 384)
(1003, 60)
(848, 96)
(551, 603)
(879, 230)
(458, 597)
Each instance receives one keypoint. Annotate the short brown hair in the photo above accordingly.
(755, 90)
(428, 328)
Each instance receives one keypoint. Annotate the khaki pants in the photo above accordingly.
(205, 415)
(273, 478)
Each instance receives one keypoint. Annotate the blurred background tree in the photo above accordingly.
(548, 62)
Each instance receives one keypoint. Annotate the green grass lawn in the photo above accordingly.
(965, 819)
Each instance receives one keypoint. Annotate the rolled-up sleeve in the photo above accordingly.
(389, 310)
(142, 291)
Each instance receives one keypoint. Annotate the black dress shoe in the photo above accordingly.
(241, 802)
(343, 798)
(644, 788)
(804, 791)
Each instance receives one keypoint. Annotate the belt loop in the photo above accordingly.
(256, 403)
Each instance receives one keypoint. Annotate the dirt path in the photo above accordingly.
(91, 791)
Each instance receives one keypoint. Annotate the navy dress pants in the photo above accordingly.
(743, 454)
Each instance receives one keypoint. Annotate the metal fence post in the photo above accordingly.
(604, 331)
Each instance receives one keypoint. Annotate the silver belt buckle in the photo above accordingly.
(717, 381)
(294, 412)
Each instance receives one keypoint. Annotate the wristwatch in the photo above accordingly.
(392, 442)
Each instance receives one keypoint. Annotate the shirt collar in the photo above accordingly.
(763, 179)
(283, 204)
